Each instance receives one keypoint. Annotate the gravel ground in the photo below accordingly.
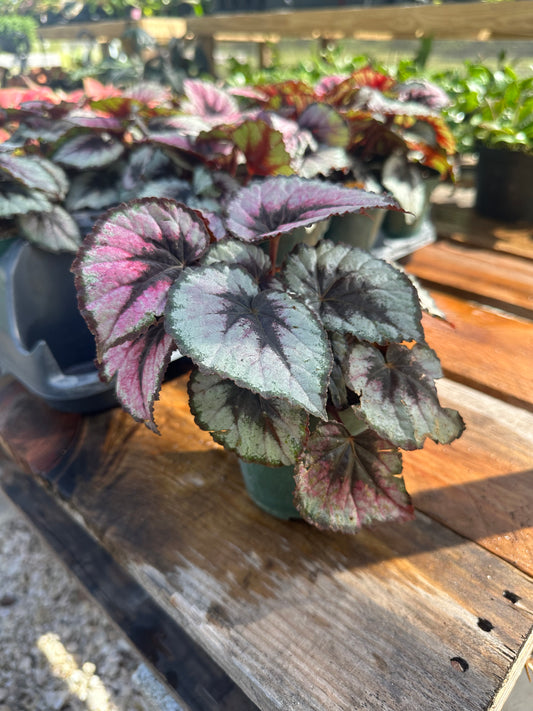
(58, 652)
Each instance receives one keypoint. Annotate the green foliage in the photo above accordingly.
(17, 33)
(489, 107)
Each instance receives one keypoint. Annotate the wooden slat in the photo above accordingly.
(456, 219)
(484, 349)
(475, 20)
(481, 484)
(372, 621)
(160, 28)
(498, 280)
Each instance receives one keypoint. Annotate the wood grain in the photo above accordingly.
(466, 21)
(461, 223)
(374, 620)
(499, 280)
(277, 604)
(484, 349)
(481, 484)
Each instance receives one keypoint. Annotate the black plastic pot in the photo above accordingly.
(503, 180)
(44, 341)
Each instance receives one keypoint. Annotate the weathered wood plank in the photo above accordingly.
(279, 604)
(481, 484)
(499, 280)
(484, 349)
(475, 20)
(456, 219)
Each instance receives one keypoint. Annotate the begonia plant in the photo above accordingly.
(318, 362)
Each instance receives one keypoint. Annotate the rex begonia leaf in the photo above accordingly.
(278, 205)
(324, 161)
(36, 173)
(207, 101)
(258, 430)
(397, 394)
(263, 148)
(404, 180)
(88, 150)
(326, 125)
(54, 231)
(97, 123)
(128, 262)
(138, 366)
(247, 256)
(17, 199)
(265, 341)
(94, 190)
(345, 482)
(355, 292)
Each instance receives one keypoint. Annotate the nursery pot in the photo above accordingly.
(44, 341)
(503, 181)
(397, 224)
(271, 488)
(357, 230)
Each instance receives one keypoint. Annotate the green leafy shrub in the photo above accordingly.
(492, 108)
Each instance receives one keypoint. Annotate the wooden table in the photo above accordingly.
(238, 610)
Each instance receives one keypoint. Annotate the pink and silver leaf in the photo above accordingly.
(346, 482)
(263, 340)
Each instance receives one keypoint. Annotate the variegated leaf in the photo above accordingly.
(355, 292)
(267, 431)
(397, 394)
(283, 350)
(345, 482)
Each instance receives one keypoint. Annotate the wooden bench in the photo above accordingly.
(482, 21)
(237, 610)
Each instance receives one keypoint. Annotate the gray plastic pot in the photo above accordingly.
(44, 341)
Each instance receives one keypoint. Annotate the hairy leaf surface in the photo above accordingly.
(397, 394)
(258, 430)
(128, 262)
(263, 340)
(344, 482)
(277, 205)
(355, 292)
(139, 365)
(247, 256)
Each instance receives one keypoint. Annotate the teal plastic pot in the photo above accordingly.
(271, 488)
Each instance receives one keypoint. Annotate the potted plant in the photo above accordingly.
(318, 364)
(364, 130)
(491, 113)
(64, 158)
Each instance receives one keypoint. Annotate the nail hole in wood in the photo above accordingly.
(459, 664)
(513, 597)
(485, 625)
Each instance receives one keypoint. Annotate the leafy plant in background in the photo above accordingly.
(490, 107)
(320, 362)
(17, 35)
